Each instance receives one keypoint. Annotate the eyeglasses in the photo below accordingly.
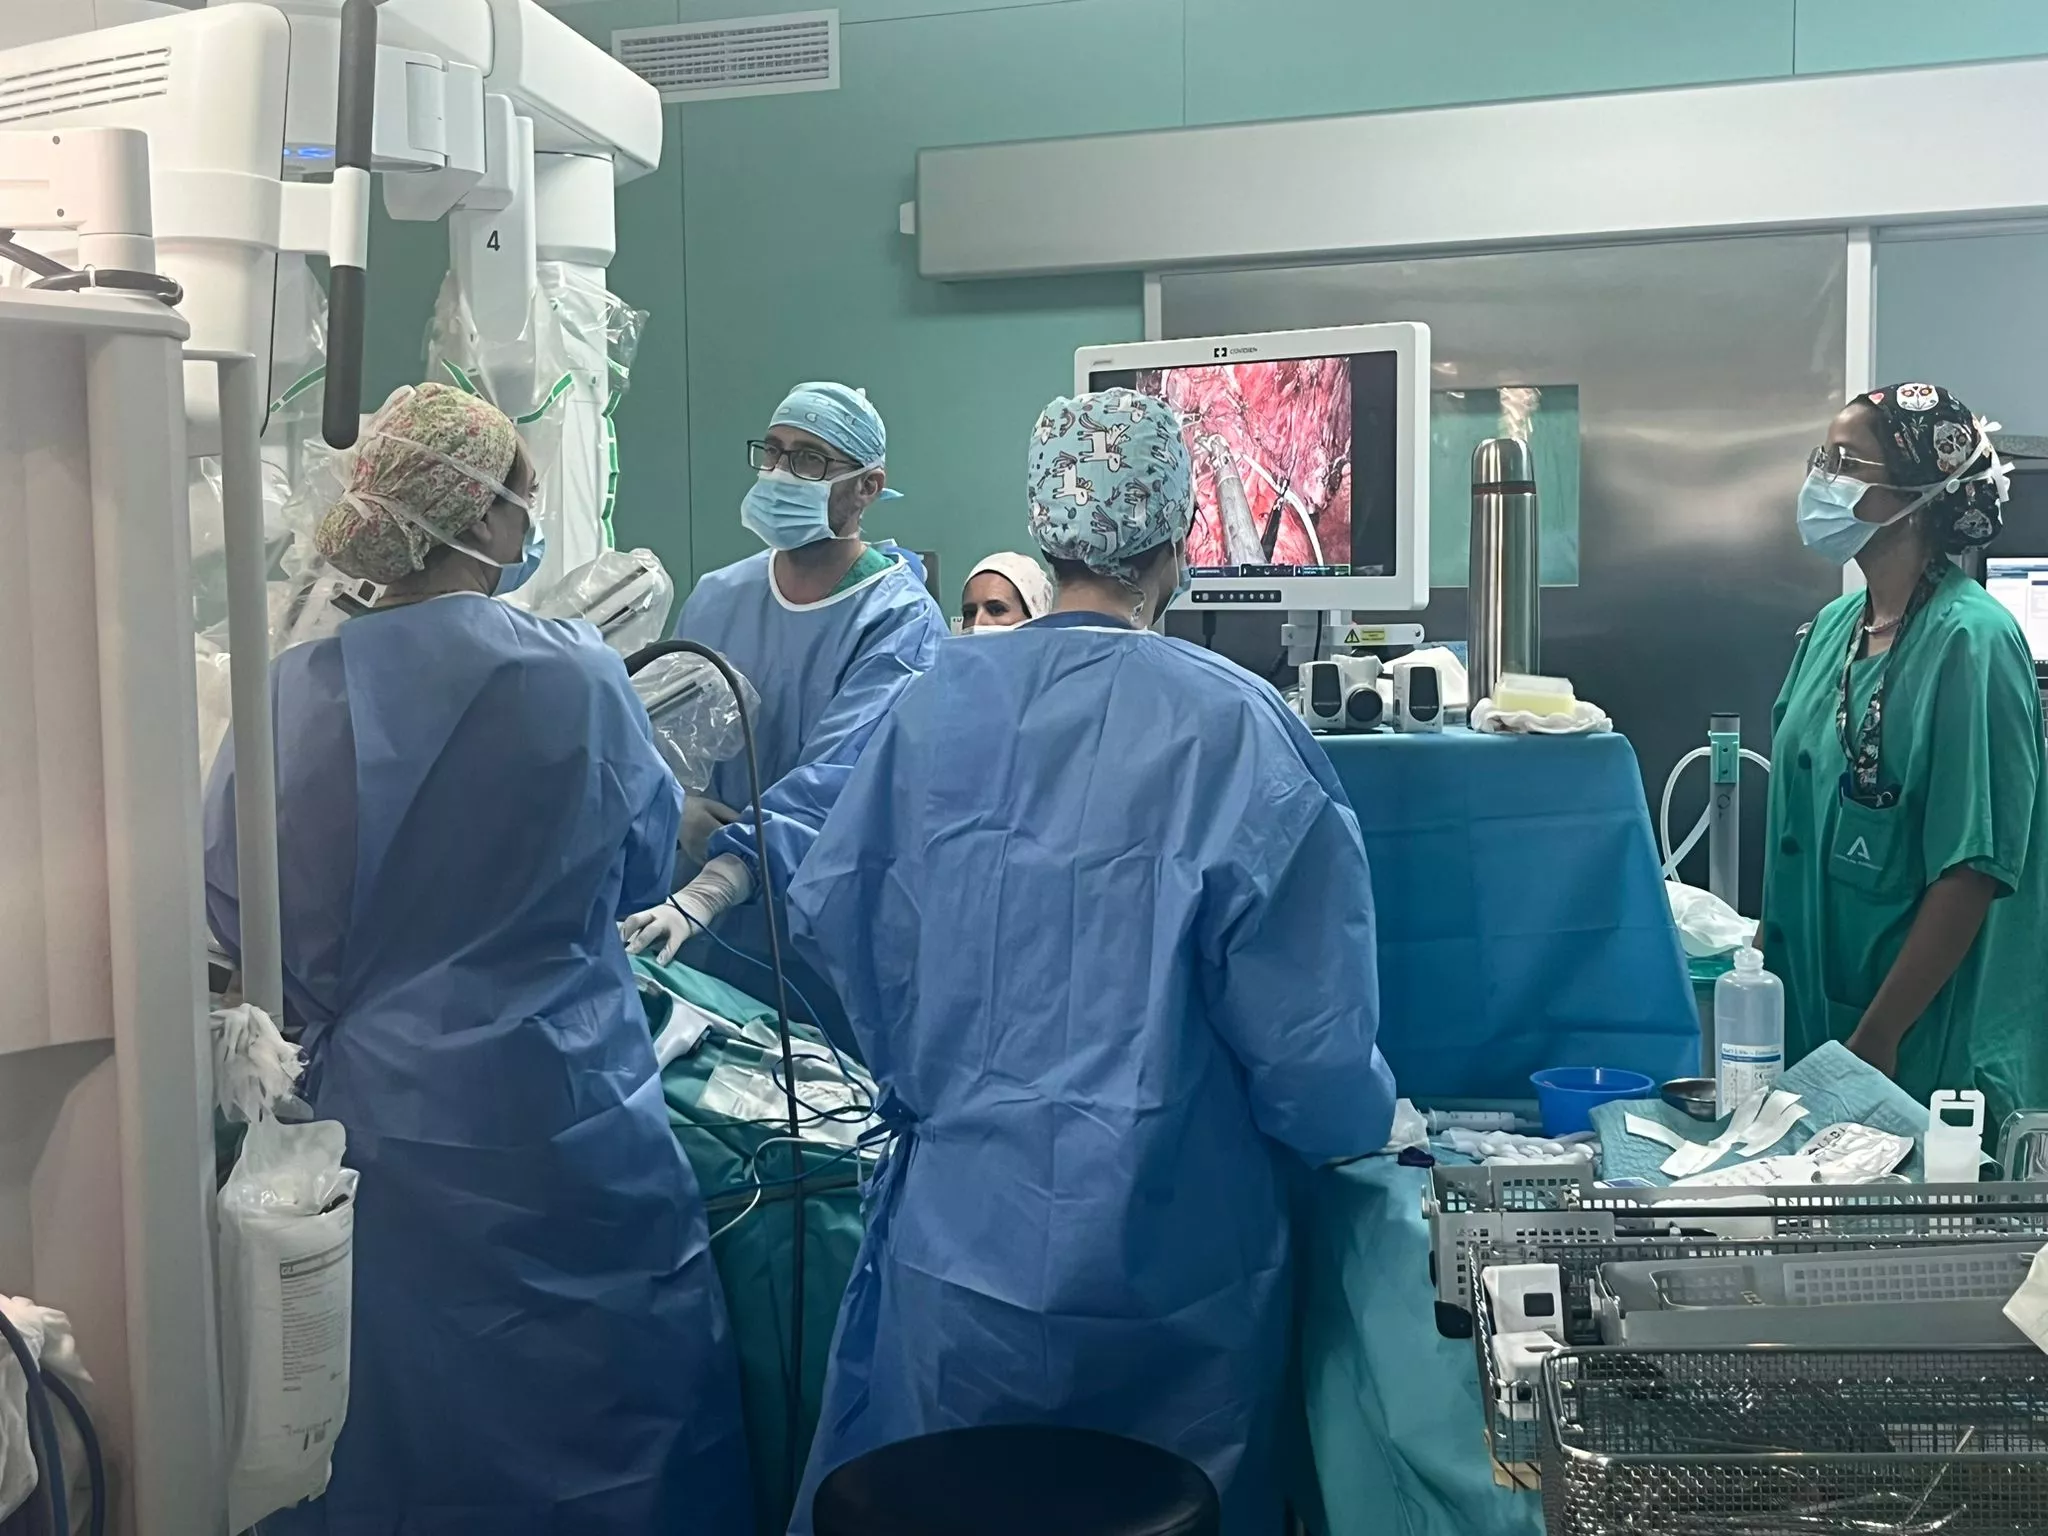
(804, 462)
(1833, 460)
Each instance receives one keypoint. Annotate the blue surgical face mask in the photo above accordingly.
(785, 512)
(1828, 524)
(1183, 581)
(532, 551)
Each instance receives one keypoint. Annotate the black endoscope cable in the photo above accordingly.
(95, 1460)
(42, 1437)
(793, 1416)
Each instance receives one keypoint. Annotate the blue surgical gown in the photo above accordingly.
(469, 798)
(1100, 918)
(827, 673)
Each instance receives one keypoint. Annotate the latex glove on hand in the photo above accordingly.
(662, 929)
(702, 817)
(725, 882)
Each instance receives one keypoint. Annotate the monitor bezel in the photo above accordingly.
(1406, 591)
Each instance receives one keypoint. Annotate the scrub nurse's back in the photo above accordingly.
(1101, 920)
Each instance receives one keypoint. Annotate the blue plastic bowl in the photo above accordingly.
(1566, 1095)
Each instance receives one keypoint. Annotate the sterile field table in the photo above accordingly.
(1392, 1408)
(1522, 922)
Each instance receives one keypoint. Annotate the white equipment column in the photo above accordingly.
(106, 1082)
(574, 225)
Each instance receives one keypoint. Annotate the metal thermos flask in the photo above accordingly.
(1503, 590)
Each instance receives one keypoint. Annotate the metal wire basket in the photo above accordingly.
(1487, 1216)
(1519, 1215)
(1766, 1441)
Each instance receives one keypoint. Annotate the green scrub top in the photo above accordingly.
(1842, 881)
(872, 562)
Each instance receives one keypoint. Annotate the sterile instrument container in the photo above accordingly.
(1481, 1218)
(1767, 1439)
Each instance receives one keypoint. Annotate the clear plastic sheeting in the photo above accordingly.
(209, 544)
(696, 719)
(310, 599)
(625, 593)
(603, 337)
(291, 433)
(528, 377)
(216, 708)
(559, 379)
(298, 471)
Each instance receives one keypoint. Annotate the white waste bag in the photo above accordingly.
(287, 1221)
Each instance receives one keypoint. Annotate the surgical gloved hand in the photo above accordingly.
(702, 817)
(725, 882)
(663, 929)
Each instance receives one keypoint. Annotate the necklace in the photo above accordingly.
(1885, 627)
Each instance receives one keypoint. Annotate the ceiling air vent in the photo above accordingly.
(103, 81)
(748, 56)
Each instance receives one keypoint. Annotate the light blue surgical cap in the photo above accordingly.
(1109, 479)
(844, 418)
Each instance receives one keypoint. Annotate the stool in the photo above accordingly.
(1017, 1480)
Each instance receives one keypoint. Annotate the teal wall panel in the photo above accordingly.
(1249, 60)
(407, 263)
(851, 12)
(770, 227)
(796, 269)
(1889, 34)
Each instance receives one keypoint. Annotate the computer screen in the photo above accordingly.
(1310, 453)
(2022, 585)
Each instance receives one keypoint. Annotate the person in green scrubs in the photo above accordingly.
(1906, 880)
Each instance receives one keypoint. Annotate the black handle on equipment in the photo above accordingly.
(355, 111)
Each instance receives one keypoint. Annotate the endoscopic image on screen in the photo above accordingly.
(1272, 451)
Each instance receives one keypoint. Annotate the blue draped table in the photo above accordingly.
(1522, 922)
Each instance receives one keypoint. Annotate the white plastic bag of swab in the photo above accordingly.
(287, 1222)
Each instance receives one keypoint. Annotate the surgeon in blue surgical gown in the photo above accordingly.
(1100, 919)
(829, 628)
(468, 799)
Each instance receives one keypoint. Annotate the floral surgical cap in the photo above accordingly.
(1929, 435)
(1109, 479)
(430, 463)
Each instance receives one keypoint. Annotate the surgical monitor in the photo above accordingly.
(2016, 562)
(1311, 453)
